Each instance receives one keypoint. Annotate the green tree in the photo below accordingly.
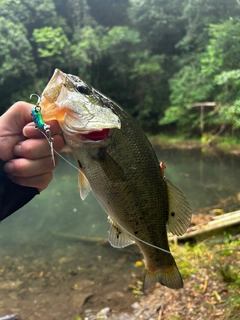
(86, 53)
(151, 56)
(28, 12)
(202, 60)
(223, 49)
(52, 48)
(16, 51)
(188, 86)
(159, 23)
(136, 74)
(221, 62)
(17, 56)
(198, 15)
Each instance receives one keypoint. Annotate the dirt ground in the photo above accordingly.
(72, 281)
(59, 279)
(46, 282)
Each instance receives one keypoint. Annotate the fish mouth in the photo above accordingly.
(77, 114)
(88, 127)
(95, 135)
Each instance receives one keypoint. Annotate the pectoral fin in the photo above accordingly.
(180, 213)
(109, 165)
(116, 237)
(83, 184)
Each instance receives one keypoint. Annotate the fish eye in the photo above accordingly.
(82, 88)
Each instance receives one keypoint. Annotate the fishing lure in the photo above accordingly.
(42, 126)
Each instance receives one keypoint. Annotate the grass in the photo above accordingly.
(211, 283)
(220, 263)
(178, 141)
(226, 144)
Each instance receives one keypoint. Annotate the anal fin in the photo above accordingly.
(116, 237)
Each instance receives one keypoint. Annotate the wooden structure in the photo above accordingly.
(229, 222)
(202, 105)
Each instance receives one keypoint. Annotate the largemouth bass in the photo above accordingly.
(117, 162)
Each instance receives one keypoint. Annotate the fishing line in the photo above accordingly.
(59, 153)
(45, 129)
(67, 161)
(120, 226)
(127, 232)
(161, 249)
(123, 229)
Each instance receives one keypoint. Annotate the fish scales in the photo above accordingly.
(122, 170)
(138, 200)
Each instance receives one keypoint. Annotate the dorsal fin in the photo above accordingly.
(180, 213)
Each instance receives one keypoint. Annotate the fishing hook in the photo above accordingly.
(38, 101)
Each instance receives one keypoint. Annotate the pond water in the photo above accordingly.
(43, 274)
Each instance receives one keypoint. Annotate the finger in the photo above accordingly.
(40, 182)
(11, 124)
(30, 131)
(37, 148)
(18, 115)
(29, 168)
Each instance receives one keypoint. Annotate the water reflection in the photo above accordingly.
(204, 179)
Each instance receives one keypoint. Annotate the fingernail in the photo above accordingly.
(17, 150)
(8, 167)
(28, 127)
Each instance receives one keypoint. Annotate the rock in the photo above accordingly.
(124, 316)
(10, 285)
(79, 299)
(136, 305)
(114, 295)
(85, 283)
(103, 312)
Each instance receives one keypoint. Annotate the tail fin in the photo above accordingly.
(168, 276)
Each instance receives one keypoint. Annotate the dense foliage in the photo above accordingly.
(154, 57)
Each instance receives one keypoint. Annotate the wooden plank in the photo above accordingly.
(202, 118)
(204, 230)
(202, 104)
(218, 225)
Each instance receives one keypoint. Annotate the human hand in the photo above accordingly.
(25, 149)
